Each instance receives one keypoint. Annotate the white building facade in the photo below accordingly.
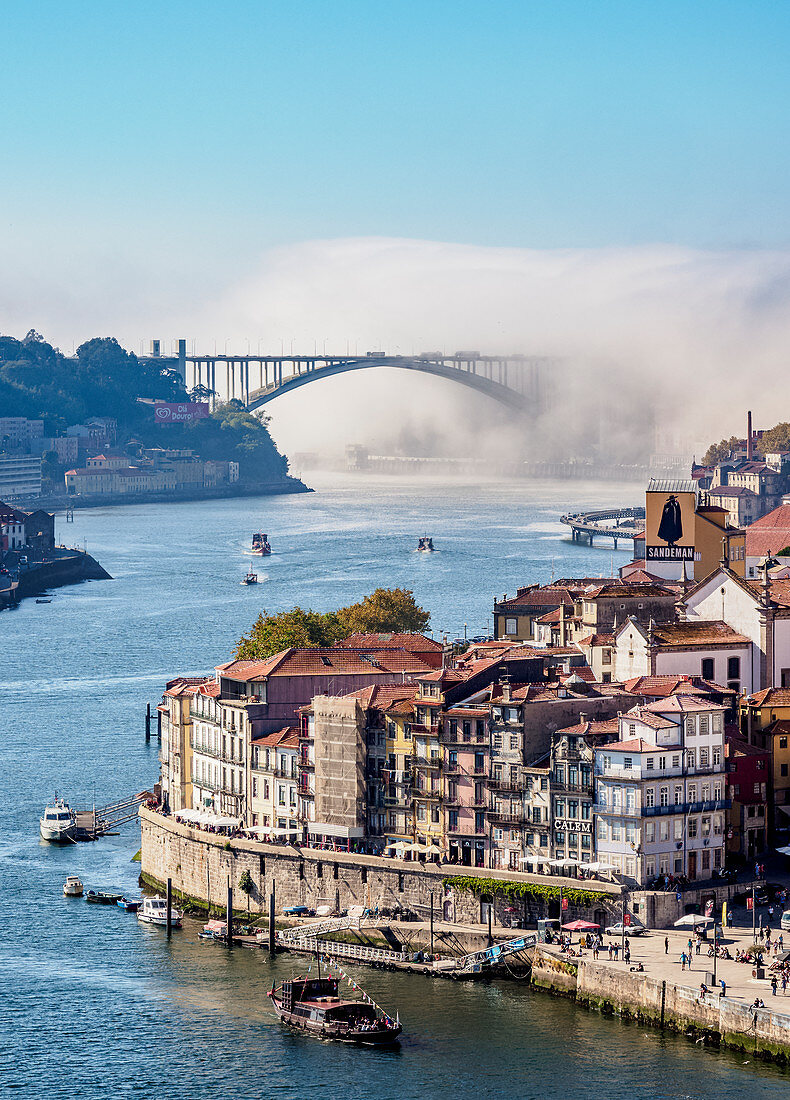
(660, 792)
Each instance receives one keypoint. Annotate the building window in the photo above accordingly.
(511, 626)
(704, 723)
(692, 827)
(650, 798)
(627, 763)
(733, 668)
(664, 796)
(649, 764)
(707, 668)
(703, 758)
(782, 742)
(678, 795)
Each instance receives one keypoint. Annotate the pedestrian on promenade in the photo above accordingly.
(690, 946)
(729, 918)
(781, 942)
(774, 984)
(627, 953)
(757, 870)
(611, 949)
(616, 951)
(784, 983)
(682, 960)
(666, 945)
(723, 985)
(699, 945)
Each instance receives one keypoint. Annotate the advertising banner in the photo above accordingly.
(669, 526)
(165, 413)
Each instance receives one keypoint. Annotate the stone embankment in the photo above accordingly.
(65, 567)
(201, 865)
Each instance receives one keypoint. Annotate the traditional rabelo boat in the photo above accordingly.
(314, 1005)
(260, 543)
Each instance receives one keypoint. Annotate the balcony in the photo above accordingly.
(506, 785)
(618, 811)
(507, 817)
(419, 730)
(708, 806)
(572, 788)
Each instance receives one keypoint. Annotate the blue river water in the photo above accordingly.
(92, 1004)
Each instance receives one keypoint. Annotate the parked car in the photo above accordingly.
(298, 911)
(729, 874)
(632, 929)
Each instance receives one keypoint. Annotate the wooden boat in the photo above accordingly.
(72, 887)
(314, 1006)
(260, 543)
(43, 601)
(131, 905)
(251, 578)
(101, 897)
(425, 545)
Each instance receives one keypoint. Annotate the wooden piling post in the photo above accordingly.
(169, 907)
(148, 721)
(272, 944)
(490, 914)
(229, 914)
(431, 921)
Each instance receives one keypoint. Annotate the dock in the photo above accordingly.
(105, 820)
(613, 523)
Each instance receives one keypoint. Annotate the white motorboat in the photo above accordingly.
(72, 887)
(154, 911)
(58, 825)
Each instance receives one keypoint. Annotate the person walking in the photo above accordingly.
(666, 945)
(729, 918)
(616, 951)
(682, 960)
(699, 945)
(690, 945)
(774, 984)
(784, 983)
(781, 942)
(627, 953)
(610, 952)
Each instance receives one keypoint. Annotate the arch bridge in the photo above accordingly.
(516, 381)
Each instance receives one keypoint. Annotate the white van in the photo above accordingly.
(785, 921)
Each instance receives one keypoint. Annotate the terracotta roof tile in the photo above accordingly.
(699, 633)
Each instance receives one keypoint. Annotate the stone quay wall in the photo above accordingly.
(679, 1008)
(201, 863)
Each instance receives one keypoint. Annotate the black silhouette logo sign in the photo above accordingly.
(670, 527)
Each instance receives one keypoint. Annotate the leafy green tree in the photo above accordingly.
(387, 610)
(51, 469)
(777, 439)
(271, 634)
(719, 452)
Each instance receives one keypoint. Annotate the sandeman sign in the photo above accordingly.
(669, 526)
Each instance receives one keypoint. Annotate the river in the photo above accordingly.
(94, 1004)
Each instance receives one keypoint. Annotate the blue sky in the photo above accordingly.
(215, 131)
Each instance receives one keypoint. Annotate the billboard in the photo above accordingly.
(669, 526)
(165, 413)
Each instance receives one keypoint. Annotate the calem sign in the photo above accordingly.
(165, 413)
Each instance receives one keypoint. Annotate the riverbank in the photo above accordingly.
(64, 566)
(61, 502)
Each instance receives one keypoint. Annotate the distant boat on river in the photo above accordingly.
(425, 545)
(260, 543)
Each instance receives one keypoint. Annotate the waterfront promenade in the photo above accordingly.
(649, 949)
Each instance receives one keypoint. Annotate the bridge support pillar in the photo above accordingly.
(615, 544)
(591, 538)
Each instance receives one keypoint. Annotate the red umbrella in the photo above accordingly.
(580, 926)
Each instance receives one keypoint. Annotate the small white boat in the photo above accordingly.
(154, 911)
(58, 825)
(251, 578)
(72, 887)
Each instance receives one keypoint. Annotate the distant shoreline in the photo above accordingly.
(220, 492)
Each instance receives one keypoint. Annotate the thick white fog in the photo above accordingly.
(685, 337)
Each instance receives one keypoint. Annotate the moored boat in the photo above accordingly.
(425, 544)
(72, 887)
(58, 825)
(314, 1006)
(260, 543)
(154, 911)
(131, 905)
(101, 897)
(251, 578)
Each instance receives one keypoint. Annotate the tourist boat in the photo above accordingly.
(101, 897)
(72, 887)
(260, 543)
(58, 825)
(425, 544)
(314, 1006)
(131, 905)
(251, 578)
(154, 911)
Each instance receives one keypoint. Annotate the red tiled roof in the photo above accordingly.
(412, 643)
(594, 640)
(287, 738)
(770, 697)
(769, 534)
(634, 745)
(679, 704)
(731, 491)
(664, 686)
(324, 661)
(629, 591)
(698, 633)
(600, 726)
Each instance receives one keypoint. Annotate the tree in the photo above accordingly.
(385, 611)
(719, 452)
(271, 634)
(777, 439)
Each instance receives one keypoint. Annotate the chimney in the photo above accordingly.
(749, 435)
